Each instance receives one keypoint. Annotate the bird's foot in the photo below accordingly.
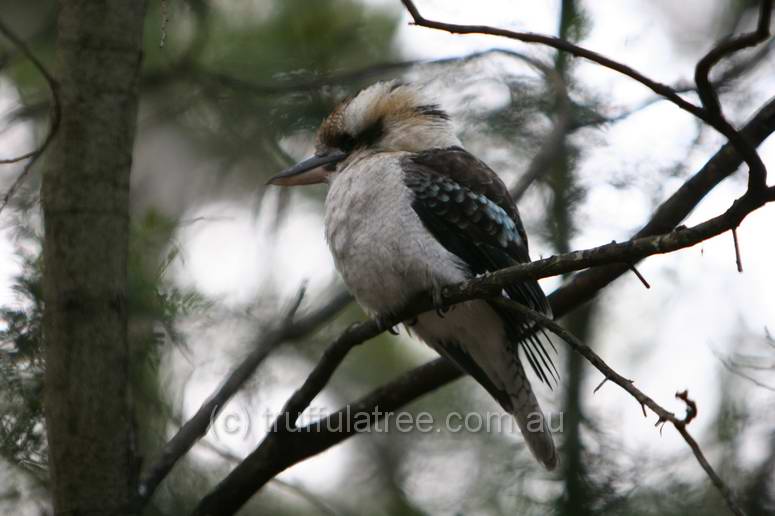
(438, 301)
(383, 323)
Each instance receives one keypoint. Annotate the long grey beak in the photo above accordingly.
(309, 171)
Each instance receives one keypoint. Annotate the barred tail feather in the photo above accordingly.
(476, 339)
(534, 426)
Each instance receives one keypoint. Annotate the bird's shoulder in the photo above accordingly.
(458, 187)
(464, 168)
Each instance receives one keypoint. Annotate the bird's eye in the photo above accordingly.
(344, 142)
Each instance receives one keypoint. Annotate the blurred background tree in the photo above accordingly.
(232, 93)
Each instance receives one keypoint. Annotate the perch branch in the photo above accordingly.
(280, 448)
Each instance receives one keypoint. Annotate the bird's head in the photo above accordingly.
(385, 117)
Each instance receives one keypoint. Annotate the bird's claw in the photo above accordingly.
(438, 302)
(383, 322)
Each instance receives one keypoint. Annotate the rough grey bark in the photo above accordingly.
(85, 201)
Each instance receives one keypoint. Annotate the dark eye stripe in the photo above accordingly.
(432, 110)
(369, 136)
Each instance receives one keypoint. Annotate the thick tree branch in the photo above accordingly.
(199, 424)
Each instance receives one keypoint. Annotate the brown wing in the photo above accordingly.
(467, 170)
(469, 210)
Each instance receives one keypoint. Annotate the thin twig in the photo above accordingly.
(736, 369)
(757, 170)
(691, 406)
(600, 385)
(705, 89)
(663, 90)
(738, 261)
(639, 275)
(54, 121)
(757, 173)
(663, 414)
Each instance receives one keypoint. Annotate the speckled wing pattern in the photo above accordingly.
(469, 210)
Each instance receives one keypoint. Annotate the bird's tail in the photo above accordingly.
(531, 420)
(474, 340)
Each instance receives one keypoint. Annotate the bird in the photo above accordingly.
(409, 210)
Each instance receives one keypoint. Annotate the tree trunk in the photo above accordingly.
(85, 201)
(579, 494)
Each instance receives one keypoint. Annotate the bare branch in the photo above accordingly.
(639, 275)
(670, 213)
(757, 178)
(645, 401)
(660, 89)
(705, 89)
(757, 171)
(281, 449)
(198, 425)
(56, 115)
(738, 261)
(283, 445)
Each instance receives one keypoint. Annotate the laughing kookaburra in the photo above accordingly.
(409, 210)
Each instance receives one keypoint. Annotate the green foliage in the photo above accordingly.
(154, 307)
(298, 36)
(245, 77)
(153, 300)
(22, 430)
